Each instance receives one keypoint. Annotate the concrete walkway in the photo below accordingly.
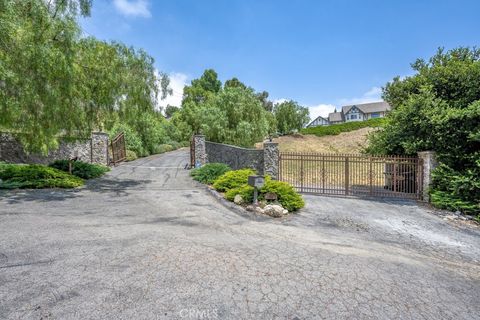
(146, 242)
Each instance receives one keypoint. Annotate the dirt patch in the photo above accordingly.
(347, 142)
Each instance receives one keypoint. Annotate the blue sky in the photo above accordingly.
(319, 53)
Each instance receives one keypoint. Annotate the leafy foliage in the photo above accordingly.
(290, 116)
(209, 172)
(35, 177)
(131, 155)
(286, 194)
(232, 179)
(81, 169)
(234, 114)
(456, 192)
(335, 129)
(439, 109)
(54, 83)
(245, 191)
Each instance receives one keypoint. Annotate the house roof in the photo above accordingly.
(319, 117)
(380, 106)
(335, 116)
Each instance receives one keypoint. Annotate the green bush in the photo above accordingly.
(185, 143)
(232, 179)
(131, 155)
(453, 190)
(81, 169)
(286, 194)
(162, 148)
(132, 139)
(245, 191)
(335, 129)
(35, 177)
(209, 172)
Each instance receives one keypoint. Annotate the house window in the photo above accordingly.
(375, 115)
(353, 116)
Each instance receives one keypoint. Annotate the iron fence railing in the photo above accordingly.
(352, 174)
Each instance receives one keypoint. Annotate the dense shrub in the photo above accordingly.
(131, 155)
(132, 139)
(286, 194)
(209, 172)
(81, 169)
(335, 129)
(452, 190)
(438, 109)
(35, 177)
(232, 179)
(162, 148)
(245, 191)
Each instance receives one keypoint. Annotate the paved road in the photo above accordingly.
(146, 242)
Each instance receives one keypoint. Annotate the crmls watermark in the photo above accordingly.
(192, 313)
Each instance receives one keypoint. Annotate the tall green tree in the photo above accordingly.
(56, 83)
(438, 108)
(290, 116)
(37, 68)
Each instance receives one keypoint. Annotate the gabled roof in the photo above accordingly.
(335, 116)
(319, 117)
(380, 106)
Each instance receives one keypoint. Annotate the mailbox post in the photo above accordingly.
(256, 182)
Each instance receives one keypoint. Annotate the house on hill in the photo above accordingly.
(365, 111)
(355, 112)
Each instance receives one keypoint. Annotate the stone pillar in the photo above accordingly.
(99, 148)
(200, 151)
(271, 156)
(429, 162)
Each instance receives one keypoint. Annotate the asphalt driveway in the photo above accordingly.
(146, 242)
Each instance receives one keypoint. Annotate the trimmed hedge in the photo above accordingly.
(335, 129)
(35, 176)
(209, 172)
(81, 169)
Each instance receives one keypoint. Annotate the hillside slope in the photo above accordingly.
(347, 142)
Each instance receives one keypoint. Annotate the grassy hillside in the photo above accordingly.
(343, 127)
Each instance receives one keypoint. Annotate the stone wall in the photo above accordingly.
(235, 157)
(93, 150)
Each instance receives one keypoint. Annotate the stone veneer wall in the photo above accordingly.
(235, 157)
(93, 150)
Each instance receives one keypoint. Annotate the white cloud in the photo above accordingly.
(133, 8)
(372, 95)
(320, 110)
(177, 82)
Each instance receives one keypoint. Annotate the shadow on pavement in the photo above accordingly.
(119, 187)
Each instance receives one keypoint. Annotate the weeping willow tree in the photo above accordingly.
(55, 83)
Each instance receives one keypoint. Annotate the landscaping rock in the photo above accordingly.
(274, 210)
(250, 208)
(238, 199)
(259, 210)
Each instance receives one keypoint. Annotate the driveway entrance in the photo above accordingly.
(146, 242)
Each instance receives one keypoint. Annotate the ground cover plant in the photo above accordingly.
(236, 183)
(35, 176)
(81, 169)
(209, 172)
